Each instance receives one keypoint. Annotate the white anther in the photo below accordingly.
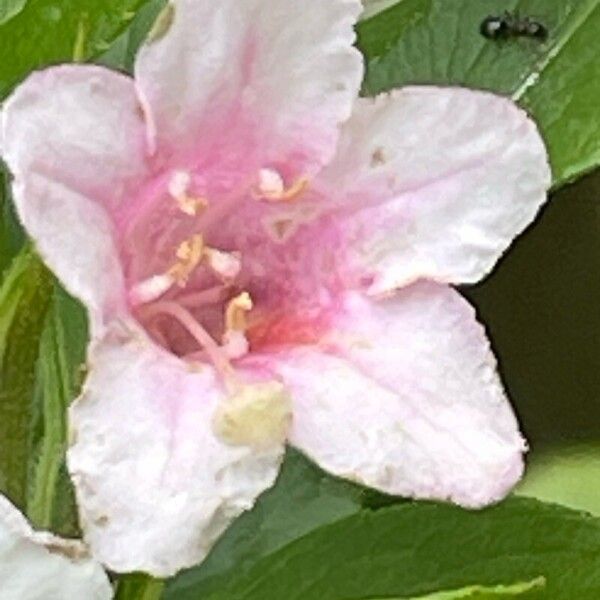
(179, 184)
(270, 183)
(235, 344)
(226, 264)
(271, 187)
(150, 289)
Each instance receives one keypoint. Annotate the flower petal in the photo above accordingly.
(39, 565)
(74, 139)
(253, 81)
(403, 396)
(155, 487)
(436, 183)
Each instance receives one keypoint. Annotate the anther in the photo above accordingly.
(235, 342)
(235, 313)
(225, 264)
(271, 186)
(150, 289)
(189, 255)
(179, 185)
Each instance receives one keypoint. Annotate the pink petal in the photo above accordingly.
(436, 183)
(41, 566)
(74, 139)
(155, 487)
(252, 82)
(403, 396)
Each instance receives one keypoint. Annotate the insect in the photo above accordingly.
(511, 25)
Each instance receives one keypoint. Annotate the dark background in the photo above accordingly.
(542, 309)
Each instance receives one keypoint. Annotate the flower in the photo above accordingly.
(39, 565)
(266, 257)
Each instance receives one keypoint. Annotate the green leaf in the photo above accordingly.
(138, 586)
(372, 7)
(304, 499)
(11, 233)
(569, 476)
(24, 297)
(51, 503)
(481, 592)
(414, 549)
(50, 31)
(432, 41)
(10, 8)
(123, 50)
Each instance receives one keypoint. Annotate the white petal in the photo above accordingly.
(264, 80)
(155, 487)
(74, 139)
(42, 566)
(403, 396)
(436, 183)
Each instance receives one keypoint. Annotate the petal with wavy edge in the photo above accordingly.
(74, 139)
(435, 183)
(234, 80)
(154, 485)
(41, 566)
(403, 396)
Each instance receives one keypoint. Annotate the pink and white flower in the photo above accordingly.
(37, 565)
(266, 257)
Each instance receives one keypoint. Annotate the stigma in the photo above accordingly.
(255, 414)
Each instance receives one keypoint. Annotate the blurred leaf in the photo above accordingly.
(569, 476)
(50, 31)
(11, 233)
(481, 592)
(24, 298)
(122, 51)
(433, 41)
(51, 502)
(10, 8)
(138, 586)
(303, 499)
(372, 7)
(419, 548)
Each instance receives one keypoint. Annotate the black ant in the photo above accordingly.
(512, 25)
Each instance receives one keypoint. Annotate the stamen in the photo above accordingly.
(271, 186)
(150, 289)
(225, 264)
(209, 296)
(190, 254)
(178, 189)
(235, 342)
(235, 313)
(204, 339)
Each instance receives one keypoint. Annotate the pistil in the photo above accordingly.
(214, 352)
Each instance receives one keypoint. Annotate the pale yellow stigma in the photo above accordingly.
(179, 185)
(257, 415)
(271, 187)
(189, 255)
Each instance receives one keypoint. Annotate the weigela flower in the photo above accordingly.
(267, 257)
(41, 566)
